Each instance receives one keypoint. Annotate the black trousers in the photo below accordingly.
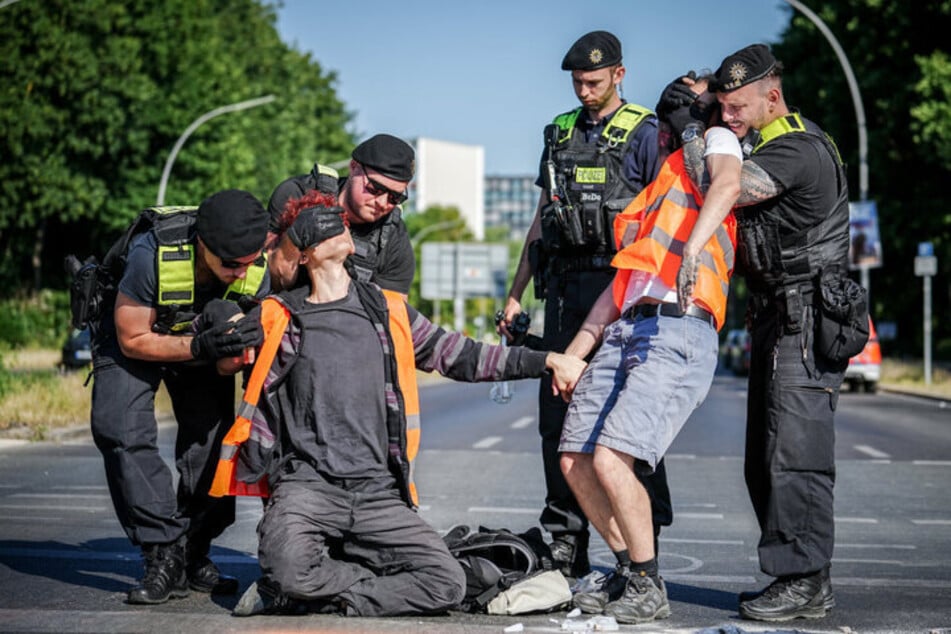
(124, 428)
(790, 446)
(569, 298)
(318, 541)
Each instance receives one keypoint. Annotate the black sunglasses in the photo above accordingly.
(376, 189)
(234, 264)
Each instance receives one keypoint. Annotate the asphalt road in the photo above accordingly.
(65, 565)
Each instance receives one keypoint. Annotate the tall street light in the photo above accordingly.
(211, 114)
(853, 88)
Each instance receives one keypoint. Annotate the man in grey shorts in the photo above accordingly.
(656, 362)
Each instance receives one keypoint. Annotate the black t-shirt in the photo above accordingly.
(808, 174)
(336, 391)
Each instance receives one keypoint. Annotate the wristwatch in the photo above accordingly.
(691, 132)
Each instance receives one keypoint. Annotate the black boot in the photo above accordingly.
(787, 598)
(164, 575)
(203, 575)
(570, 553)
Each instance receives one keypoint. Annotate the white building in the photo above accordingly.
(450, 175)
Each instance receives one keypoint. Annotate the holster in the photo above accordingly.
(538, 261)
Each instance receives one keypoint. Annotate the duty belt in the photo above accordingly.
(670, 310)
(563, 264)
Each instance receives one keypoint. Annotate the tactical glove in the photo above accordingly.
(216, 312)
(217, 342)
(675, 95)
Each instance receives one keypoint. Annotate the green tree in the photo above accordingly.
(899, 53)
(94, 95)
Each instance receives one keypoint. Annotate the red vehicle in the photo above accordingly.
(865, 368)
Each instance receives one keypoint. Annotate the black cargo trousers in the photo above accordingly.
(126, 432)
(569, 297)
(790, 443)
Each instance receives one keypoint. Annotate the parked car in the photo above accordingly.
(865, 368)
(77, 351)
(736, 352)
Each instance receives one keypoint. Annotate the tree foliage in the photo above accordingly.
(899, 53)
(94, 94)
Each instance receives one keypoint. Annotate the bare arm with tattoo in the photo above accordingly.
(756, 185)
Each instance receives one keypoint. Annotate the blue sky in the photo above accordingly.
(488, 72)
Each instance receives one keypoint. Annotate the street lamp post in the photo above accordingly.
(857, 102)
(211, 114)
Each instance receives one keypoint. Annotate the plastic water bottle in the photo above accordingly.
(501, 391)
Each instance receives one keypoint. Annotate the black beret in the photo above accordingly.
(598, 49)
(388, 155)
(743, 67)
(314, 225)
(232, 224)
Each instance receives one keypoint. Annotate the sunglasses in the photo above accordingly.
(234, 264)
(376, 189)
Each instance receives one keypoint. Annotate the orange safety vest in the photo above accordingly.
(667, 210)
(275, 318)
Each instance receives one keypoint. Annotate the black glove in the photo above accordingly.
(675, 95)
(217, 342)
(217, 312)
(218, 336)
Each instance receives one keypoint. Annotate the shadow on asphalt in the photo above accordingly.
(96, 563)
(696, 595)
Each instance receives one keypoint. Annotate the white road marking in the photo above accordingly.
(856, 520)
(523, 422)
(59, 496)
(487, 442)
(699, 516)
(932, 522)
(46, 507)
(932, 463)
(878, 546)
(721, 542)
(31, 518)
(501, 509)
(680, 456)
(871, 451)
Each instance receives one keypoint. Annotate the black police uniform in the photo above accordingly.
(789, 247)
(574, 276)
(126, 432)
(793, 388)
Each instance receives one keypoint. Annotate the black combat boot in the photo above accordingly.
(164, 575)
(570, 554)
(203, 575)
(787, 598)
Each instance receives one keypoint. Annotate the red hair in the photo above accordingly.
(293, 207)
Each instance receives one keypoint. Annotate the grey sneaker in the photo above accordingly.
(791, 598)
(610, 589)
(643, 601)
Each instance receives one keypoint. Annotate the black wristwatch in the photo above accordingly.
(691, 132)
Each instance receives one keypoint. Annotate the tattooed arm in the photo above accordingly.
(756, 185)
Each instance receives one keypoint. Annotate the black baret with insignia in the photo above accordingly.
(598, 49)
(387, 155)
(744, 67)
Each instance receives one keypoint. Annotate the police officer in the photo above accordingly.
(793, 226)
(380, 171)
(155, 334)
(597, 158)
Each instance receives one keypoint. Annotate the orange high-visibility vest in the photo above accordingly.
(667, 211)
(275, 318)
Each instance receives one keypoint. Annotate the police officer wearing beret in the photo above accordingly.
(175, 283)
(380, 171)
(597, 158)
(793, 234)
